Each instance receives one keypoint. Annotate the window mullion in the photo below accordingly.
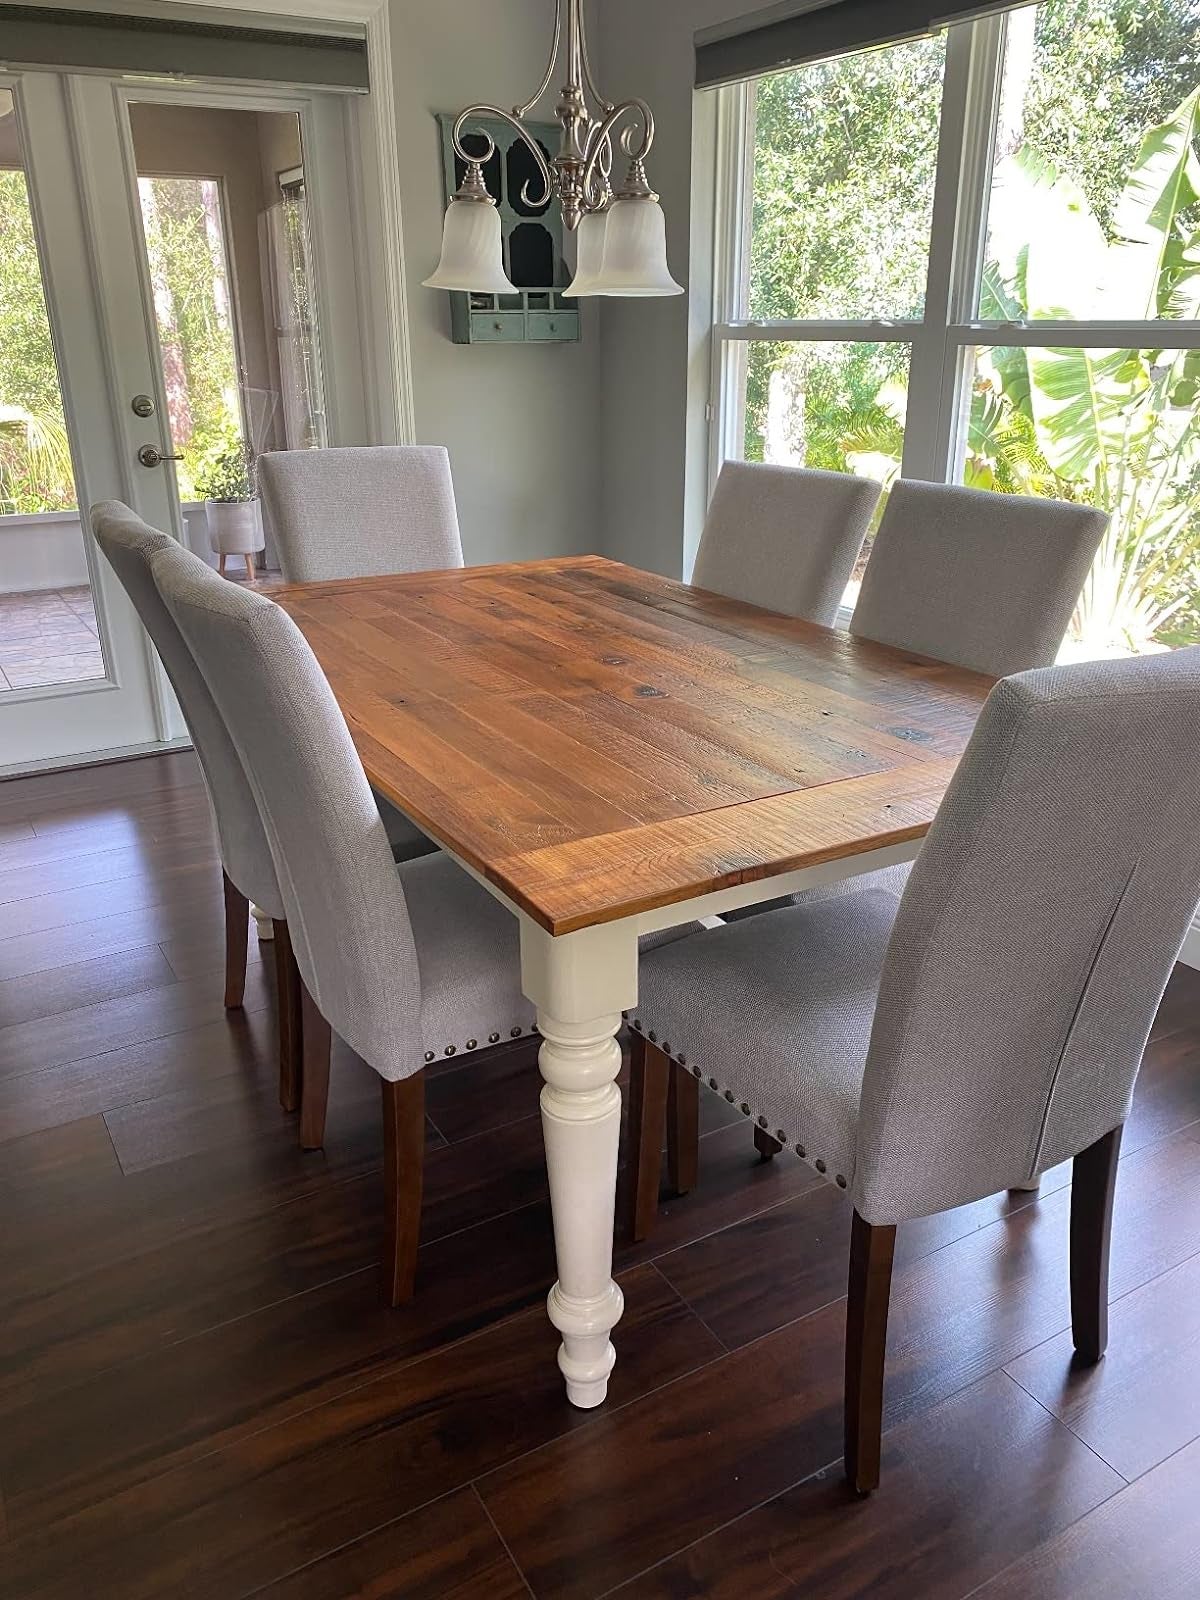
(970, 105)
(731, 278)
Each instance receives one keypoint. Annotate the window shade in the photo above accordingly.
(104, 41)
(831, 28)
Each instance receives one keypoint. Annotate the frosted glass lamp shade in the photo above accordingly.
(472, 257)
(635, 251)
(589, 260)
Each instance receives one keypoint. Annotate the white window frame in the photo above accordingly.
(943, 342)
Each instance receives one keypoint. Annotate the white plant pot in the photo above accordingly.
(235, 527)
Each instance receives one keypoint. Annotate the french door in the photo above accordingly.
(178, 292)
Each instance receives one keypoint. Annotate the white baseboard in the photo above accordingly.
(92, 758)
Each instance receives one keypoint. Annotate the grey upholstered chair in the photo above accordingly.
(986, 581)
(924, 1053)
(408, 962)
(247, 869)
(981, 580)
(784, 537)
(358, 513)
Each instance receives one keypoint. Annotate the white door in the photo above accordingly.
(75, 674)
(198, 250)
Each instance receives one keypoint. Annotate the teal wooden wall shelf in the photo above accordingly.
(533, 245)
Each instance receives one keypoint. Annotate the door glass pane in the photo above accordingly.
(837, 407)
(845, 155)
(1095, 199)
(225, 221)
(184, 225)
(1118, 429)
(48, 632)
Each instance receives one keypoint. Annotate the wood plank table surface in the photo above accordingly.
(611, 753)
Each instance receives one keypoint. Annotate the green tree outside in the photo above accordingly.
(1098, 110)
(189, 278)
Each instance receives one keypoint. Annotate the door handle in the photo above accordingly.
(151, 456)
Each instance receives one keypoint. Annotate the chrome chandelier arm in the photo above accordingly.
(589, 78)
(635, 147)
(523, 111)
(597, 190)
(539, 155)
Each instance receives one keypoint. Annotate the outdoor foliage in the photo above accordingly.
(1095, 213)
(186, 249)
(1114, 428)
(35, 460)
(223, 472)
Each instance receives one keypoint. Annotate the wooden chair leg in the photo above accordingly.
(237, 932)
(871, 1252)
(221, 565)
(1093, 1185)
(683, 1130)
(314, 1076)
(403, 1180)
(291, 1028)
(767, 1145)
(649, 1071)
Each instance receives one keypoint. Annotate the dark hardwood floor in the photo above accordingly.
(201, 1395)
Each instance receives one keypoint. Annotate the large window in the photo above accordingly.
(976, 258)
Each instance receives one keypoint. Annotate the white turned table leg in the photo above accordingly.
(266, 928)
(580, 984)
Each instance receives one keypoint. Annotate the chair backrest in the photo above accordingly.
(1036, 934)
(346, 910)
(130, 545)
(987, 581)
(357, 513)
(785, 538)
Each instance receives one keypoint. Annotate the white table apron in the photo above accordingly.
(581, 983)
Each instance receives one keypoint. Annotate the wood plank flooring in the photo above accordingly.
(201, 1395)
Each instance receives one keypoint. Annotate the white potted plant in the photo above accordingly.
(231, 506)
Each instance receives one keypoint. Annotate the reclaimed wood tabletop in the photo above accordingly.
(596, 741)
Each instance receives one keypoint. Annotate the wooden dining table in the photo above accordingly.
(611, 753)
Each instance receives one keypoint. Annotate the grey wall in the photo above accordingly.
(655, 353)
(521, 422)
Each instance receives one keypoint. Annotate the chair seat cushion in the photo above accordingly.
(775, 1013)
(469, 955)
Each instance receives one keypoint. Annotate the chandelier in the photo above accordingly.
(622, 240)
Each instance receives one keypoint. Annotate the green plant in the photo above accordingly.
(224, 473)
(35, 462)
(1113, 428)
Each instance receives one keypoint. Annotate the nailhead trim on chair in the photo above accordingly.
(781, 1135)
(473, 1044)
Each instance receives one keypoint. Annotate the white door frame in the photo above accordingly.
(108, 171)
(379, 246)
(122, 702)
